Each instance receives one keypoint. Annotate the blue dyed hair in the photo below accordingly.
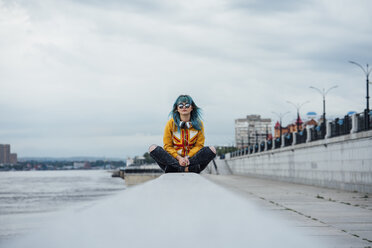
(195, 117)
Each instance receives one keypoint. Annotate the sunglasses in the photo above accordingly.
(181, 105)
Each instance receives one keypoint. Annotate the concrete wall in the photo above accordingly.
(138, 178)
(343, 162)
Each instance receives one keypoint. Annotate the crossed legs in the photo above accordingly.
(169, 164)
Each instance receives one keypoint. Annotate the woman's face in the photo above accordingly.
(184, 108)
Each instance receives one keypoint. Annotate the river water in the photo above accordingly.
(29, 198)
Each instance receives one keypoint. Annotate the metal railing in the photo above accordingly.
(262, 146)
(288, 139)
(316, 132)
(278, 143)
(301, 137)
(269, 144)
(362, 124)
(340, 126)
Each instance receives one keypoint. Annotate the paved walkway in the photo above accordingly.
(338, 218)
(180, 210)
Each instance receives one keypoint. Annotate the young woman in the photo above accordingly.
(183, 139)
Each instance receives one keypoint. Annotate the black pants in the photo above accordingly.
(168, 163)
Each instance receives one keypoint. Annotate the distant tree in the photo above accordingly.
(225, 149)
(99, 163)
(117, 163)
(148, 158)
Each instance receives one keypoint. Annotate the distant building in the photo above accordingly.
(311, 123)
(311, 115)
(5, 156)
(87, 166)
(251, 129)
(79, 165)
(139, 160)
(13, 158)
(297, 126)
(108, 166)
(130, 161)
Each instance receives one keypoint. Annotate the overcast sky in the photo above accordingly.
(98, 78)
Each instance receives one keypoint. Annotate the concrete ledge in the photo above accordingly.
(343, 162)
(174, 210)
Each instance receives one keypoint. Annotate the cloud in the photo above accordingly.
(81, 72)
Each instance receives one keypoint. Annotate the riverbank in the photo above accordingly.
(30, 198)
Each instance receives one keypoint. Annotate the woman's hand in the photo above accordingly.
(187, 160)
(183, 161)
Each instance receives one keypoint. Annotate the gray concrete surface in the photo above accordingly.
(337, 218)
(180, 210)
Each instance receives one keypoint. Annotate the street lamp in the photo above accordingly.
(298, 106)
(256, 137)
(324, 93)
(249, 141)
(280, 115)
(366, 72)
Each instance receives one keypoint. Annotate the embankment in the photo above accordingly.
(343, 162)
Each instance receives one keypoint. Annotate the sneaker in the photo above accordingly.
(194, 168)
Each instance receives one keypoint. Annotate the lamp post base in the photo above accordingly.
(366, 119)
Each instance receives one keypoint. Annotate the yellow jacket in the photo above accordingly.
(182, 142)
